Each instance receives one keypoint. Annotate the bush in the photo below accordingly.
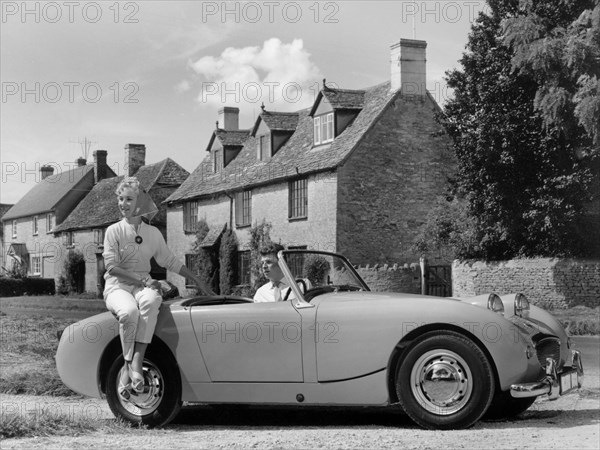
(74, 271)
(206, 261)
(15, 287)
(316, 267)
(228, 262)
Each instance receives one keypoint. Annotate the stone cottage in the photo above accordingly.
(356, 173)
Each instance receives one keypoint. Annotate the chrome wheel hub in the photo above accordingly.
(441, 382)
(142, 404)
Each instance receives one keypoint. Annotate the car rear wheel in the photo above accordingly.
(162, 401)
(444, 381)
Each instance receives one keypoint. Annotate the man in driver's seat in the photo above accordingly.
(276, 289)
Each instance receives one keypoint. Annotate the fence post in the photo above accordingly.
(423, 264)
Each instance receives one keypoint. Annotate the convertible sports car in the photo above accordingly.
(446, 362)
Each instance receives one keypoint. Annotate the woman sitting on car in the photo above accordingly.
(130, 293)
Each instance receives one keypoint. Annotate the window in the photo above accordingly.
(244, 267)
(243, 208)
(323, 128)
(190, 217)
(295, 261)
(69, 239)
(36, 265)
(14, 229)
(298, 199)
(263, 147)
(49, 222)
(191, 262)
(217, 161)
(35, 225)
(99, 236)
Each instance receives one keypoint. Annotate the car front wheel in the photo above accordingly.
(444, 381)
(159, 403)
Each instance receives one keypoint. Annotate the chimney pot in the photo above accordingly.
(229, 118)
(135, 157)
(46, 171)
(100, 166)
(81, 161)
(408, 67)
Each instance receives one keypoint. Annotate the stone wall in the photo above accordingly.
(385, 278)
(547, 282)
(389, 184)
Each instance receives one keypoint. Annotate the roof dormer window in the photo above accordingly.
(262, 149)
(217, 161)
(323, 128)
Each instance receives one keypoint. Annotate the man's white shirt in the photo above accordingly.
(269, 292)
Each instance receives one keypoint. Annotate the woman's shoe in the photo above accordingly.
(124, 390)
(137, 382)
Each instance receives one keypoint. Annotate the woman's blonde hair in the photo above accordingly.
(131, 183)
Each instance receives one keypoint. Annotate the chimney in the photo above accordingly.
(81, 161)
(46, 171)
(135, 157)
(100, 166)
(229, 118)
(408, 67)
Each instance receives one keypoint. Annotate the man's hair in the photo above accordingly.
(270, 248)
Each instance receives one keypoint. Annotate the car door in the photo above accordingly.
(250, 342)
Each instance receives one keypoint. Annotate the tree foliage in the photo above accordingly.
(557, 43)
(525, 179)
(228, 262)
(260, 234)
(206, 260)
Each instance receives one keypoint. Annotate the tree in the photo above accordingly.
(524, 180)
(206, 261)
(260, 234)
(557, 43)
(228, 262)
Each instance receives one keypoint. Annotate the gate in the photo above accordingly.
(439, 281)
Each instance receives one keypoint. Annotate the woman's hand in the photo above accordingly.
(151, 283)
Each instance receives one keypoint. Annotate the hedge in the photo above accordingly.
(15, 287)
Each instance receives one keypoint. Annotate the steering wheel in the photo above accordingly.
(302, 286)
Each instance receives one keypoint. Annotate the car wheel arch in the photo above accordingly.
(405, 343)
(113, 349)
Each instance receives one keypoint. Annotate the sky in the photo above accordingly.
(157, 72)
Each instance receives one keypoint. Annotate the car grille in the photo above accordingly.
(548, 348)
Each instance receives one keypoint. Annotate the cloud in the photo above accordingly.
(183, 86)
(279, 74)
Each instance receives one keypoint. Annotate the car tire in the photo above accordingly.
(505, 405)
(444, 381)
(154, 408)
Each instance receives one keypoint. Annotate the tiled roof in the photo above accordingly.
(296, 156)
(228, 137)
(213, 236)
(44, 196)
(277, 121)
(340, 99)
(4, 207)
(99, 208)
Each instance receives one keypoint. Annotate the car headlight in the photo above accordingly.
(522, 305)
(495, 304)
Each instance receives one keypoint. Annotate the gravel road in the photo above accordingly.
(573, 422)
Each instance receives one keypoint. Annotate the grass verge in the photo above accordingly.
(55, 424)
(580, 320)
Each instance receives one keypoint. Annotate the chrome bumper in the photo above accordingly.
(554, 384)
